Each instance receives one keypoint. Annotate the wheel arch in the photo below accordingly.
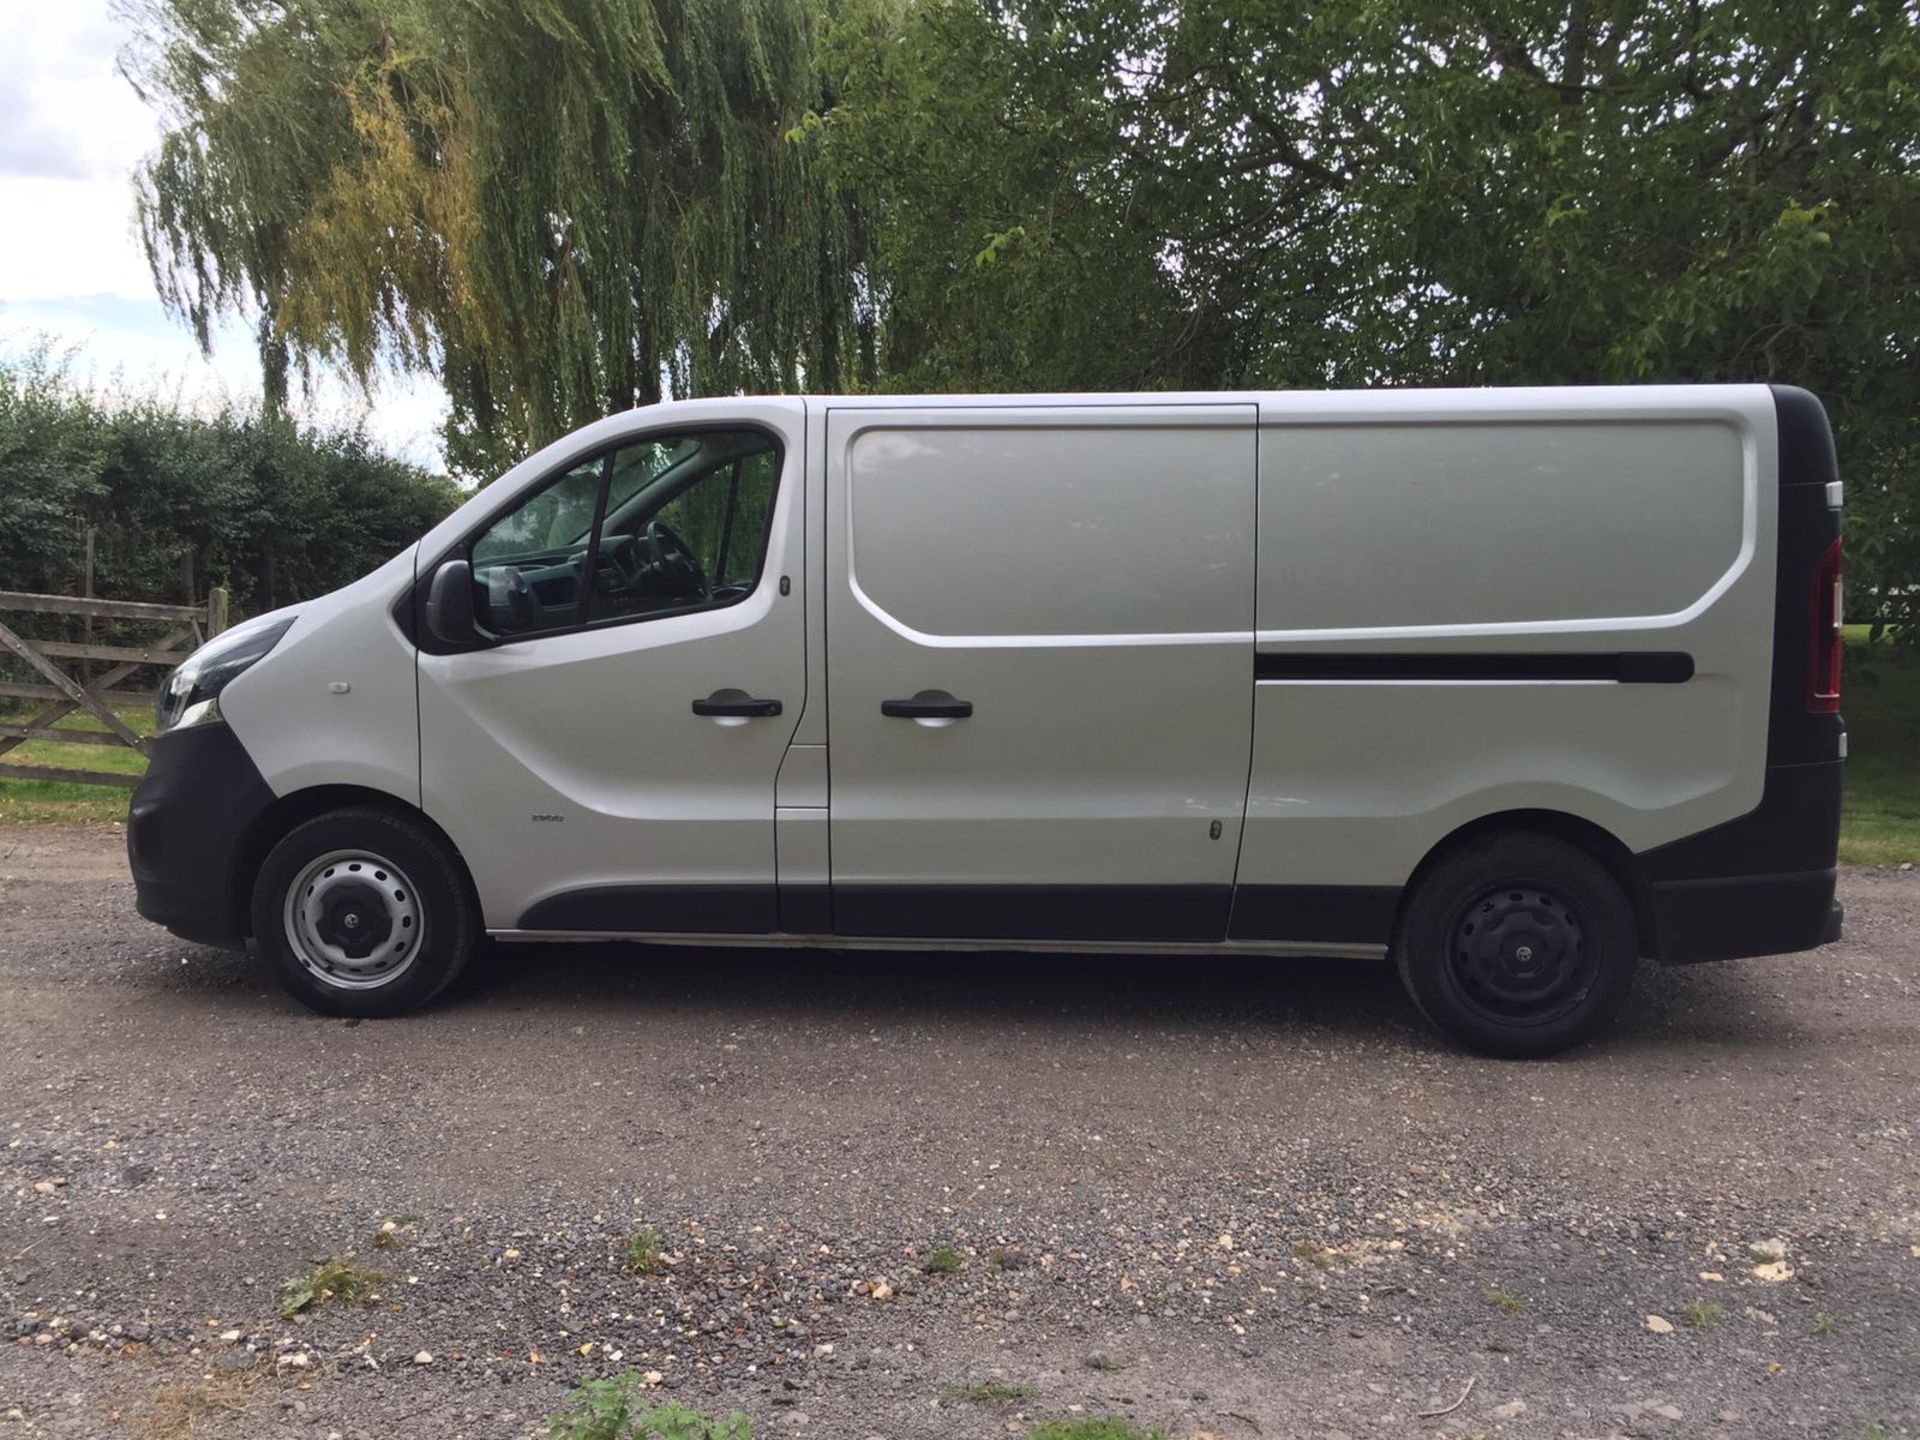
(278, 820)
(1600, 844)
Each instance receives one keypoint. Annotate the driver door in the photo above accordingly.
(605, 758)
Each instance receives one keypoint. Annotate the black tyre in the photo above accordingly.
(1518, 945)
(364, 912)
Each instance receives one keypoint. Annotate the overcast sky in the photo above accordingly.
(71, 133)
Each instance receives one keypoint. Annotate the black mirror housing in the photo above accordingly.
(449, 608)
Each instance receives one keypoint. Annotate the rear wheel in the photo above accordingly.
(1518, 945)
(364, 912)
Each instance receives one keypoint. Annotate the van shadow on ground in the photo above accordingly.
(1726, 1007)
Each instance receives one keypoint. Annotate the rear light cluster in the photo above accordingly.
(1823, 668)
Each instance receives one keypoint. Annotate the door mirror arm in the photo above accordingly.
(449, 608)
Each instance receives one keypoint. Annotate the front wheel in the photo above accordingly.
(1518, 945)
(364, 912)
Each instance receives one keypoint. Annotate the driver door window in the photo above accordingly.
(664, 526)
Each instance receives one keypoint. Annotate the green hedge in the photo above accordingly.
(180, 501)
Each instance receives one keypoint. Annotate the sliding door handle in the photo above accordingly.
(735, 704)
(928, 705)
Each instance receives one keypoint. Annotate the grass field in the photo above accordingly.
(1880, 696)
(1882, 704)
(29, 801)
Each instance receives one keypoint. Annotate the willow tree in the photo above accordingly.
(560, 207)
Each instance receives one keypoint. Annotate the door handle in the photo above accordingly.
(735, 704)
(928, 705)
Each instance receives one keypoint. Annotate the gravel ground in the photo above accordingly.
(1233, 1198)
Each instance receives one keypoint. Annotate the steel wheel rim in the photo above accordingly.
(1518, 954)
(353, 920)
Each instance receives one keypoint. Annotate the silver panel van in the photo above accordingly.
(1513, 687)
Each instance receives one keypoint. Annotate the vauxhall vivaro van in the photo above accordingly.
(1512, 686)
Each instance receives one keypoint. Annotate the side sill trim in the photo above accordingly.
(1277, 948)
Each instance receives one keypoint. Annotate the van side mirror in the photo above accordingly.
(449, 617)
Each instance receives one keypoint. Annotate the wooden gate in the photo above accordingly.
(184, 629)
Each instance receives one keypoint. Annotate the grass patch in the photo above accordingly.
(985, 1392)
(1505, 1301)
(37, 801)
(1880, 699)
(333, 1280)
(643, 1251)
(615, 1408)
(1104, 1427)
(944, 1261)
(1702, 1313)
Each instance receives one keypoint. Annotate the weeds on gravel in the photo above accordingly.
(1702, 1313)
(643, 1251)
(1318, 1256)
(985, 1392)
(393, 1230)
(944, 1261)
(333, 1280)
(1106, 1427)
(1824, 1324)
(1505, 1301)
(614, 1408)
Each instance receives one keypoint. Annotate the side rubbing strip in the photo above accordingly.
(1635, 667)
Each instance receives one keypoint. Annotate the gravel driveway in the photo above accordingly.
(1232, 1198)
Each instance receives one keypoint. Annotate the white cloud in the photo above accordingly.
(69, 238)
(71, 268)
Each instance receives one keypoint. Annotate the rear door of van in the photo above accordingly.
(1039, 667)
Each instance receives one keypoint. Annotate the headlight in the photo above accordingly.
(192, 692)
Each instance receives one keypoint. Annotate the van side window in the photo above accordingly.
(663, 526)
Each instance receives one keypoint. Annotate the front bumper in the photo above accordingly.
(186, 830)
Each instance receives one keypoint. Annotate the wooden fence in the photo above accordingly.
(184, 629)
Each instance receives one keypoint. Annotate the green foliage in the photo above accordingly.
(985, 1392)
(1105, 1427)
(944, 1261)
(612, 1409)
(643, 1251)
(1013, 243)
(333, 1280)
(1880, 820)
(180, 502)
(1702, 1313)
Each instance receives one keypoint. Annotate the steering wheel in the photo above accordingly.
(675, 561)
(621, 555)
